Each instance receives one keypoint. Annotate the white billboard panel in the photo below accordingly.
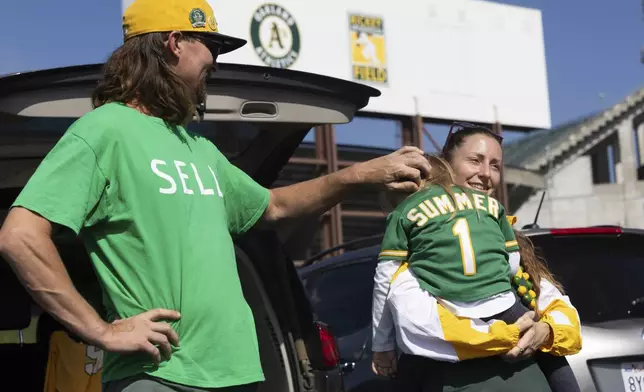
(445, 59)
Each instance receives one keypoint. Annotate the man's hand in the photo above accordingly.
(142, 333)
(399, 171)
(402, 170)
(385, 363)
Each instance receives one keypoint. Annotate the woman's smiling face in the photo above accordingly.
(477, 163)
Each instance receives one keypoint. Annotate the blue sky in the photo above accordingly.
(592, 50)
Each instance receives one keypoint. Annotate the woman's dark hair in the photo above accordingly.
(455, 139)
(139, 72)
(534, 264)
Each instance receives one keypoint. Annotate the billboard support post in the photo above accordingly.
(326, 149)
(320, 153)
(418, 131)
(502, 190)
(412, 131)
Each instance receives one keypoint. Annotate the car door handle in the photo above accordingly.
(258, 109)
(348, 367)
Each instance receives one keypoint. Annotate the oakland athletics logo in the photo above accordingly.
(275, 36)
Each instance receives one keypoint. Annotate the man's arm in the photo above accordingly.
(26, 243)
(401, 170)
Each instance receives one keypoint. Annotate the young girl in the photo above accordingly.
(461, 249)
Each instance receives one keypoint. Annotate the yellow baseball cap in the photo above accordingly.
(194, 16)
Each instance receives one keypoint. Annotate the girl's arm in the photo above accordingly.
(426, 328)
(384, 338)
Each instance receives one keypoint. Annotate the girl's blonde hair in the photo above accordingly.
(440, 174)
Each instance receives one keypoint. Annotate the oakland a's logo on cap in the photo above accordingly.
(275, 36)
(197, 18)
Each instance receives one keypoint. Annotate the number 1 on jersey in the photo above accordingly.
(462, 230)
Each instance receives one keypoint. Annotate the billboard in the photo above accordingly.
(444, 59)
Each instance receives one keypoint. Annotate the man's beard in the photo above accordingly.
(200, 100)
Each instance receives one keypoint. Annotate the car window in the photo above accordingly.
(601, 275)
(341, 296)
(232, 138)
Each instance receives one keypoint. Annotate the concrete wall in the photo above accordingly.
(573, 200)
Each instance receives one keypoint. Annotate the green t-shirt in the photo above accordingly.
(463, 257)
(157, 208)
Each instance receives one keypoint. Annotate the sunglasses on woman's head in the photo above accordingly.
(458, 126)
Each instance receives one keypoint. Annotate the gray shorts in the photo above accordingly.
(145, 383)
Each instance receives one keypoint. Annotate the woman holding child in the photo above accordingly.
(463, 295)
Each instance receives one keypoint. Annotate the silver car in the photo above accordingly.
(600, 267)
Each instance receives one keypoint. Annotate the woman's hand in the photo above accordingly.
(532, 340)
(525, 322)
(385, 363)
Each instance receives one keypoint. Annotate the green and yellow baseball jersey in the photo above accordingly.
(458, 248)
(72, 366)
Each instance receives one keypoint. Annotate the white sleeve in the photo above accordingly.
(549, 294)
(426, 328)
(557, 311)
(515, 261)
(384, 337)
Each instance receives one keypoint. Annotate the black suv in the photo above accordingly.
(257, 116)
(601, 269)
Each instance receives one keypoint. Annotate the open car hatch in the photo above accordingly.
(257, 116)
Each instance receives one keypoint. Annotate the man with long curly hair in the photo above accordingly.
(157, 208)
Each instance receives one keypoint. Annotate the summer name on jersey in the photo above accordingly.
(434, 206)
(457, 247)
